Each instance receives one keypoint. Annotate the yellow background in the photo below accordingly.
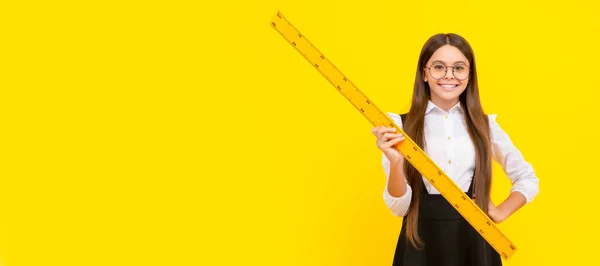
(188, 133)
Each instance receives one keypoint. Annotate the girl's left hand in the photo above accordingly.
(496, 214)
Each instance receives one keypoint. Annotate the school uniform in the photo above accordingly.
(449, 239)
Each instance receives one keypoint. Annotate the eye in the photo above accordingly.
(460, 67)
(438, 67)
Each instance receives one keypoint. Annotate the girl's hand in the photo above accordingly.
(386, 142)
(496, 214)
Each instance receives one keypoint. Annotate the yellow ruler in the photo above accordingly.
(408, 148)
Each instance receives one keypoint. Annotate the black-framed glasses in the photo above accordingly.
(439, 71)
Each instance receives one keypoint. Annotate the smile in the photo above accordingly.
(448, 87)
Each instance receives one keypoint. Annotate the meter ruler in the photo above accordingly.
(408, 148)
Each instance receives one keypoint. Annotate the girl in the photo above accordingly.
(446, 118)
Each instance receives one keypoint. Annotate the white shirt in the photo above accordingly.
(450, 147)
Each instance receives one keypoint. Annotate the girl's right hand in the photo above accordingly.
(386, 141)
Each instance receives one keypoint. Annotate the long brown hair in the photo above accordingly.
(476, 121)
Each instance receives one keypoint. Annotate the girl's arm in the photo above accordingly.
(525, 184)
(514, 202)
(397, 193)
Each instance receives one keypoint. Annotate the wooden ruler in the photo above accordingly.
(408, 148)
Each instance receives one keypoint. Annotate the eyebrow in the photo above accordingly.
(440, 61)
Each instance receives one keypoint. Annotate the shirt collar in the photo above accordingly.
(431, 106)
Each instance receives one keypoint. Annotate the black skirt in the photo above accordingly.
(449, 240)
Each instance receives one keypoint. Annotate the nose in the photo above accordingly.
(449, 73)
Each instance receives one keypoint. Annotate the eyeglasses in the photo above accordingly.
(438, 71)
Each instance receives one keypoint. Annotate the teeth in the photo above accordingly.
(448, 86)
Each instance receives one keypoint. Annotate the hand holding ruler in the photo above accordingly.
(408, 148)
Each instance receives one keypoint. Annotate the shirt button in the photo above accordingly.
(446, 116)
(449, 161)
(448, 137)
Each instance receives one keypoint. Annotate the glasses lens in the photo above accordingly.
(438, 71)
(461, 72)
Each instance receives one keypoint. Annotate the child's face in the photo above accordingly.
(447, 87)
